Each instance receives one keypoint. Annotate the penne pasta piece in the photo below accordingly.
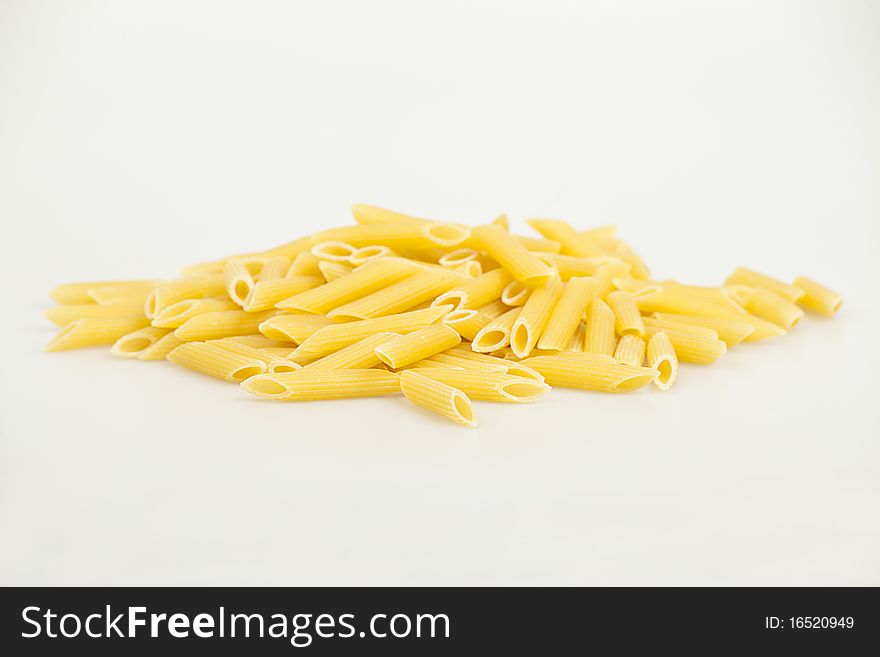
(467, 323)
(600, 337)
(637, 266)
(732, 331)
(458, 257)
(538, 244)
(239, 281)
(486, 385)
(261, 341)
(567, 314)
(64, 315)
(294, 328)
(606, 275)
(333, 270)
(128, 293)
(420, 287)
(437, 397)
(78, 293)
(532, 320)
(220, 324)
(334, 251)
(402, 234)
(214, 360)
(514, 368)
(494, 308)
(774, 308)
(591, 372)
(636, 286)
(496, 334)
(421, 256)
(570, 266)
(305, 385)
(631, 351)
(501, 220)
(415, 346)
(276, 267)
(371, 214)
(178, 313)
(365, 280)
(450, 360)
(266, 293)
(194, 287)
(478, 291)
(571, 243)
(599, 233)
(471, 269)
(274, 363)
(743, 276)
(134, 344)
(578, 339)
(364, 254)
(691, 347)
(627, 318)
(92, 331)
(334, 337)
(515, 293)
(305, 264)
(290, 249)
(817, 298)
(683, 327)
(662, 357)
(359, 355)
(160, 349)
(501, 246)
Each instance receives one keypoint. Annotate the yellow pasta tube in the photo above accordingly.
(334, 251)
(451, 360)
(567, 314)
(818, 298)
(364, 254)
(274, 363)
(538, 244)
(334, 337)
(276, 267)
(420, 287)
(500, 245)
(606, 275)
(501, 220)
(160, 349)
(774, 308)
(631, 350)
(290, 249)
(239, 281)
(305, 264)
(458, 257)
(476, 292)
(570, 266)
(330, 271)
(743, 276)
(64, 315)
(637, 265)
(627, 318)
(682, 327)
(578, 339)
(365, 280)
(437, 397)
(78, 293)
(402, 234)
(732, 331)
(467, 323)
(266, 293)
(691, 347)
(486, 385)
(600, 338)
(408, 349)
(561, 231)
(636, 286)
(214, 360)
(514, 368)
(662, 357)
(194, 287)
(591, 372)
(496, 334)
(261, 341)
(471, 269)
(359, 355)
(134, 344)
(599, 233)
(515, 293)
(294, 328)
(305, 385)
(128, 293)
(221, 324)
(178, 313)
(92, 331)
(532, 320)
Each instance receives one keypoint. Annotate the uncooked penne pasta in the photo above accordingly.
(663, 358)
(607, 273)
(221, 324)
(276, 267)
(160, 349)
(637, 265)
(64, 315)
(471, 269)
(532, 320)
(134, 344)
(370, 214)
(631, 350)
(691, 347)
(486, 385)
(523, 265)
(261, 341)
(305, 385)
(178, 313)
(817, 298)
(600, 337)
(514, 368)
(334, 251)
(294, 328)
(437, 397)
(458, 257)
(417, 345)
(743, 276)
(127, 293)
(570, 266)
(360, 355)
(239, 281)
(682, 327)
(365, 280)
(364, 254)
(266, 293)
(402, 234)
(560, 231)
(305, 264)
(567, 314)
(774, 308)
(330, 271)
(93, 331)
(578, 339)
(515, 293)
(732, 331)
(274, 363)
(627, 318)
(467, 323)
(194, 287)
(591, 372)
(77, 293)
(502, 220)
(418, 288)
(450, 360)
(334, 337)
(496, 334)
(478, 291)
(636, 286)
(214, 360)
(538, 244)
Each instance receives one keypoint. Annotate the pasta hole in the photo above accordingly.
(241, 290)
(151, 304)
(634, 382)
(284, 367)
(490, 340)
(463, 408)
(246, 373)
(523, 390)
(134, 345)
(446, 234)
(455, 298)
(457, 316)
(665, 369)
(519, 339)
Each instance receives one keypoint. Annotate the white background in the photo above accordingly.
(139, 137)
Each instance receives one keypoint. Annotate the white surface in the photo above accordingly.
(136, 138)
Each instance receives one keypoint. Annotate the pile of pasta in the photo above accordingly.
(438, 311)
